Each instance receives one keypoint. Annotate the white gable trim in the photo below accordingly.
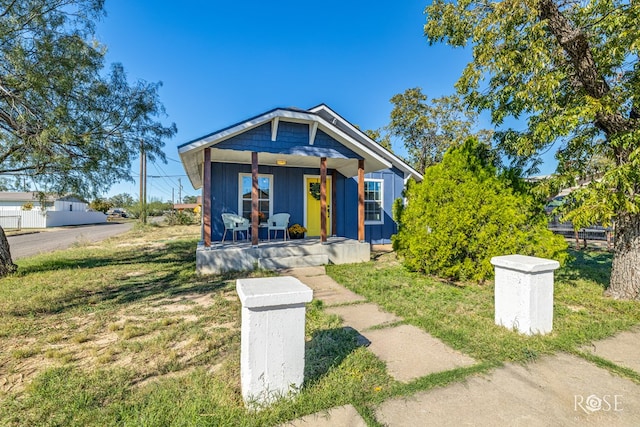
(192, 158)
(313, 128)
(274, 128)
(398, 162)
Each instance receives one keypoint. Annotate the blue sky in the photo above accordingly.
(221, 62)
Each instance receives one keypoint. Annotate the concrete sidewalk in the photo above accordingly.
(559, 390)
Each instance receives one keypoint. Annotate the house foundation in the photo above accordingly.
(242, 256)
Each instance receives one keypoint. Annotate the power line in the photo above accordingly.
(160, 189)
(163, 175)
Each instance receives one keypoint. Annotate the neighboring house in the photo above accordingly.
(183, 206)
(305, 162)
(25, 210)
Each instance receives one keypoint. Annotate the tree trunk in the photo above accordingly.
(625, 271)
(6, 263)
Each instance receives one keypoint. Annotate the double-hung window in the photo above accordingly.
(373, 197)
(265, 195)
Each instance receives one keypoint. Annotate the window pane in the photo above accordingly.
(372, 190)
(263, 186)
(372, 211)
(264, 196)
(373, 201)
(263, 206)
(246, 209)
(246, 187)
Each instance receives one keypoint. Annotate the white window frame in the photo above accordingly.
(240, 199)
(381, 221)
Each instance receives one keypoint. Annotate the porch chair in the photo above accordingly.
(234, 223)
(279, 221)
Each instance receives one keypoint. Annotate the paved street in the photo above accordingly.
(26, 245)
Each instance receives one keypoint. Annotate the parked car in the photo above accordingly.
(117, 213)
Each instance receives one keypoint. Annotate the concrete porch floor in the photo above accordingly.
(277, 254)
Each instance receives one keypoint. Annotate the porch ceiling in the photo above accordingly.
(347, 167)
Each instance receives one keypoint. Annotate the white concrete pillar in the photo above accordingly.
(272, 337)
(524, 293)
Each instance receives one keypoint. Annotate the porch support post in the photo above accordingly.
(323, 199)
(206, 197)
(254, 198)
(361, 200)
(333, 200)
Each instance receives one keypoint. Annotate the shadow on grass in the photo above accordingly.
(182, 251)
(594, 265)
(164, 273)
(328, 348)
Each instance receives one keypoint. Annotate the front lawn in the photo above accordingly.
(462, 315)
(124, 333)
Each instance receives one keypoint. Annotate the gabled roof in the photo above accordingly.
(24, 196)
(325, 111)
(32, 196)
(318, 118)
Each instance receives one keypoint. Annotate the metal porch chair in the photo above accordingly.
(234, 223)
(279, 221)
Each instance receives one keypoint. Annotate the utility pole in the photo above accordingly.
(143, 184)
(179, 190)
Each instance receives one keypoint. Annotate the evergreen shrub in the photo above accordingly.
(464, 213)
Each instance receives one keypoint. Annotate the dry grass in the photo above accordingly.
(125, 333)
(127, 312)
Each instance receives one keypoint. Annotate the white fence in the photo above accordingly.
(11, 222)
(39, 219)
(58, 219)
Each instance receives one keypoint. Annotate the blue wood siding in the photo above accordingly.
(288, 196)
(392, 189)
(293, 138)
(347, 194)
(288, 191)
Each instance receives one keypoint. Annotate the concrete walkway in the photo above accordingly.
(559, 390)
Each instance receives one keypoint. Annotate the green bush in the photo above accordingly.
(182, 218)
(464, 213)
(101, 205)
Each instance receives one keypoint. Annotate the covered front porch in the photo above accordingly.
(273, 255)
(284, 161)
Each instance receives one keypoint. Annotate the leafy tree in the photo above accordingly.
(5, 184)
(572, 70)
(101, 205)
(157, 207)
(154, 207)
(65, 122)
(123, 200)
(464, 213)
(190, 199)
(428, 129)
(381, 137)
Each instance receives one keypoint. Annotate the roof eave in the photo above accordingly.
(397, 161)
(192, 160)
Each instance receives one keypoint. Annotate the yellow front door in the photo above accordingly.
(312, 189)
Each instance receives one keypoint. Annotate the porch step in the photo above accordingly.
(275, 263)
(284, 251)
(241, 256)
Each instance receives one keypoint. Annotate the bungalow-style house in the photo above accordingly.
(329, 176)
(26, 210)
